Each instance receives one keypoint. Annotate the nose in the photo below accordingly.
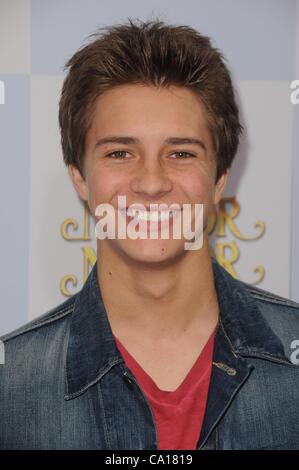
(151, 181)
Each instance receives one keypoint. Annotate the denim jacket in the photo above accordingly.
(64, 384)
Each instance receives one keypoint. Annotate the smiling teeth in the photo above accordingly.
(153, 216)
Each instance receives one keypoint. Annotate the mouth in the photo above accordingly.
(150, 215)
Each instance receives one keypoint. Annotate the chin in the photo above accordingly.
(153, 252)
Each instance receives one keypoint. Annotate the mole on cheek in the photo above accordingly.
(110, 273)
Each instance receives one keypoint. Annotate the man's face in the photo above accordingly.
(149, 170)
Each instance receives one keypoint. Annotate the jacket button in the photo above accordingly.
(128, 380)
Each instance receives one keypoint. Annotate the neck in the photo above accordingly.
(167, 300)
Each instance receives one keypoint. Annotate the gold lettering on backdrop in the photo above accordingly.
(222, 223)
(74, 224)
(89, 255)
(225, 260)
(89, 259)
(64, 289)
(226, 218)
(227, 253)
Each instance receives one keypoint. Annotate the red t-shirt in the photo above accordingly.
(178, 414)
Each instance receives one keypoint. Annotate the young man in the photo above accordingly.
(162, 348)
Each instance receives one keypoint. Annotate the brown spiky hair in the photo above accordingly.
(151, 53)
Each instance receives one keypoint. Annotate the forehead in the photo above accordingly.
(138, 108)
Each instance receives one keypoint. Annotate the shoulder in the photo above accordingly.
(269, 297)
(34, 356)
(281, 313)
(36, 349)
(52, 319)
(269, 303)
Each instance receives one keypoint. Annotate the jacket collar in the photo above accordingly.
(92, 350)
(242, 321)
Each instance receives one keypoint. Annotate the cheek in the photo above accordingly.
(199, 188)
(102, 186)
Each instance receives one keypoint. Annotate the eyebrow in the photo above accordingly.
(126, 140)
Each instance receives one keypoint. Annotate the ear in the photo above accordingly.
(79, 182)
(220, 186)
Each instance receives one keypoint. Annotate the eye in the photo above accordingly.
(121, 155)
(183, 155)
(117, 154)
